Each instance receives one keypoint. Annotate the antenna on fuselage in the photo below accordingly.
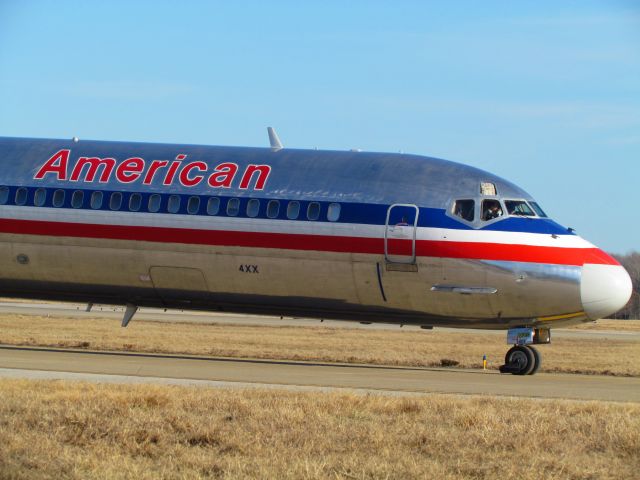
(274, 140)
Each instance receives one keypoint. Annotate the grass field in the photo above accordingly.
(606, 324)
(387, 347)
(52, 429)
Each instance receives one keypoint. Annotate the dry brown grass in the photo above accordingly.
(28, 300)
(385, 347)
(72, 430)
(610, 325)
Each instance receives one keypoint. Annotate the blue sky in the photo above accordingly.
(545, 94)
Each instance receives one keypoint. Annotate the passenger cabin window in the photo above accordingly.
(21, 196)
(4, 195)
(193, 205)
(135, 202)
(58, 198)
(96, 200)
(464, 209)
(273, 208)
(213, 206)
(173, 206)
(333, 212)
(233, 207)
(491, 209)
(155, 201)
(115, 202)
(537, 209)
(519, 207)
(253, 207)
(293, 210)
(40, 197)
(313, 211)
(77, 198)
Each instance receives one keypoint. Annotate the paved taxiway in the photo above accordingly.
(134, 367)
(158, 315)
(20, 361)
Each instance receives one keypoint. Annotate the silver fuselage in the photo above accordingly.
(434, 269)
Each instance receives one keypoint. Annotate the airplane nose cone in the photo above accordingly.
(604, 289)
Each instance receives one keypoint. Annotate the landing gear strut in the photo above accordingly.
(523, 359)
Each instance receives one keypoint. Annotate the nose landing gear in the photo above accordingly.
(523, 359)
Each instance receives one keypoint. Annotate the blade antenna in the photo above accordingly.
(274, 140)
(129, 313)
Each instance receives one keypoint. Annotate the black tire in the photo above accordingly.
(537, 359)
(520, 359)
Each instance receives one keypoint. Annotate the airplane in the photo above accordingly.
(344, 235)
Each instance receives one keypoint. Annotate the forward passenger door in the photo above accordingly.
(400, 233)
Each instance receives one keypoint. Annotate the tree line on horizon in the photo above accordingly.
(631, 262)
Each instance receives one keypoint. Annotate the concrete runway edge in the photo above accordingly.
(109, 366)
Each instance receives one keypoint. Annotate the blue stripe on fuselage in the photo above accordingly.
(354, 213)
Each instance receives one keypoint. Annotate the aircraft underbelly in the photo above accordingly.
(182, 274)
(176, 283)
(187, 270)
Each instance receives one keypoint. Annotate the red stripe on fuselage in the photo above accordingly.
(323, 243)
(513, 253)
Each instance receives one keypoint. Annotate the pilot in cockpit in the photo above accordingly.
(492, 209)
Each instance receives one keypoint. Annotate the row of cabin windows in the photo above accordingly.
(174, 202)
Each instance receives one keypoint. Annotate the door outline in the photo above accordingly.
(411, 260)
(172, 293)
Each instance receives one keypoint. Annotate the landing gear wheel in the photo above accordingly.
(520, 360)
(537, 359)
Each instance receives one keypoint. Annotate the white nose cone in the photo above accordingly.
(604, 289)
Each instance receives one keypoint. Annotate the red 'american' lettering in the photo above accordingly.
(158, 172)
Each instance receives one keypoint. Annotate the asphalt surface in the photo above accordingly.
(129, 367)
(24, 362)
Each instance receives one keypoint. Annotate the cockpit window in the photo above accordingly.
(488, 188)
(464, 209)
(519, 207)
(491, 209)
(537, 208)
